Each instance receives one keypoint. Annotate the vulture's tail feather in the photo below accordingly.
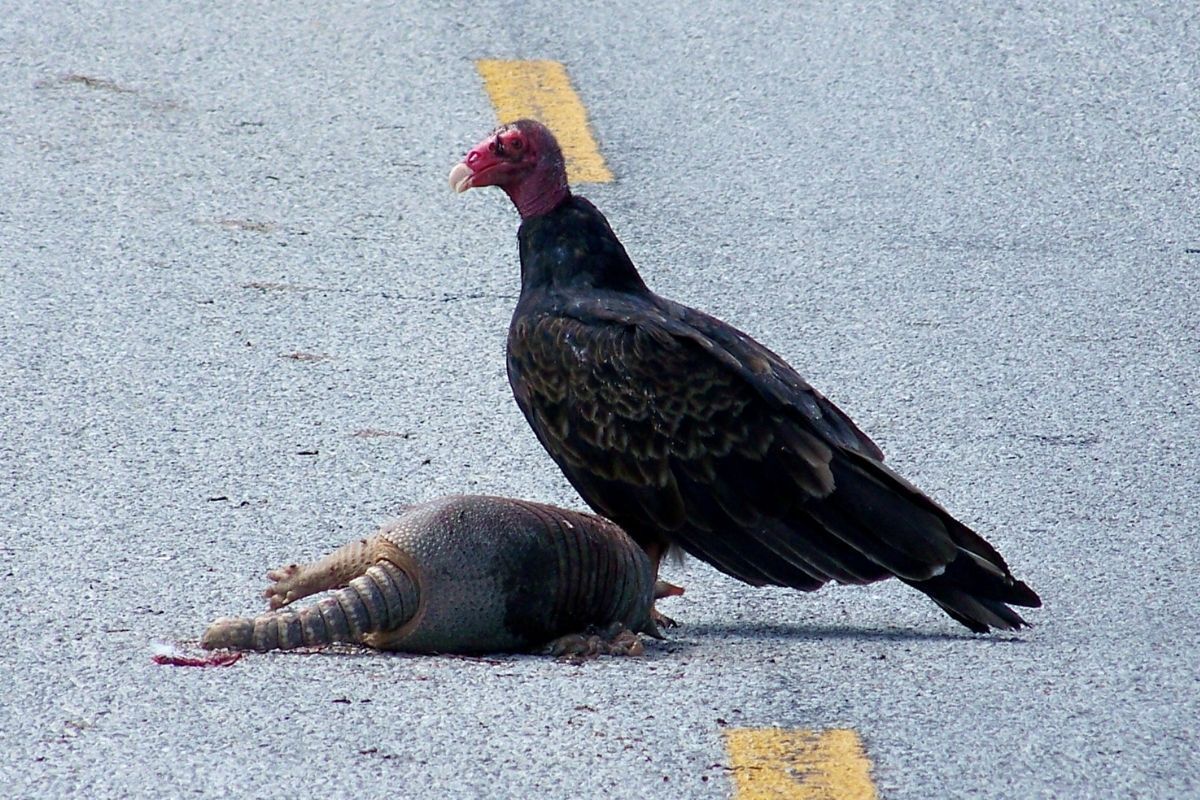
(976, 596)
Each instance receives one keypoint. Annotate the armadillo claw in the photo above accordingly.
(627, 643)
(573, 644)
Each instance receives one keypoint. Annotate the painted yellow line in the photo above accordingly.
(541, 90)
(798, 765)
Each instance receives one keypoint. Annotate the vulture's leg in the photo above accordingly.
(656, 551)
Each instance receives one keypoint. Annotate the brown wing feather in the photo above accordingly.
(675, 447)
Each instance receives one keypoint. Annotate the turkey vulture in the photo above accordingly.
(687, 432)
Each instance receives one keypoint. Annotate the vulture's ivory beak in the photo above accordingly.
(460, 177)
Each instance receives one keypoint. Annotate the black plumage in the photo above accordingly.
(685, 431)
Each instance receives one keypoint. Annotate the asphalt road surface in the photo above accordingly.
(243, 319)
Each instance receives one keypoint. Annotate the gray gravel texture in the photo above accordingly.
(971, 229)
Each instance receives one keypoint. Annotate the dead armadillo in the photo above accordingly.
(464, 574)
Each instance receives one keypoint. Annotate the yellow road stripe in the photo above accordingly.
(798, 765)
(541, 90)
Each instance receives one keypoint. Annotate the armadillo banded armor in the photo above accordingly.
(461, 574)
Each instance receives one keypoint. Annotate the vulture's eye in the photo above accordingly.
(516, 144)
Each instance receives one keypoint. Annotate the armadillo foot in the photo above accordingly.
(613, 640)
(282, 588)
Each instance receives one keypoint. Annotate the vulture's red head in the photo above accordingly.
(524, 160)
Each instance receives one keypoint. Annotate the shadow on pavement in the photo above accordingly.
(802, 632)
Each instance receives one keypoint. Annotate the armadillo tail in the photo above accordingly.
(383, 599)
